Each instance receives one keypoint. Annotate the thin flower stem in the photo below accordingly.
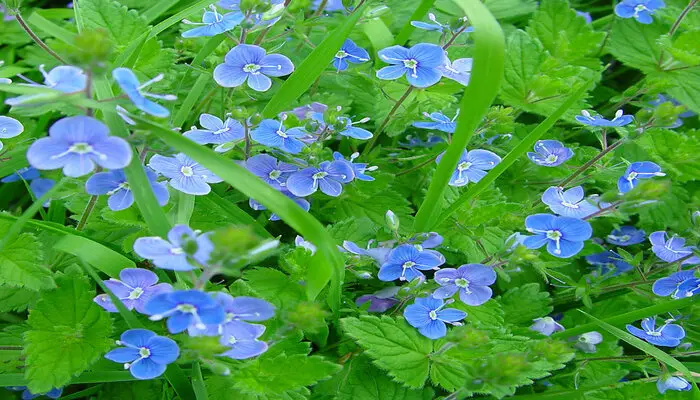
(246, 135)
(244, 34)
(386, 120)
(590, 163)
(320, 8)
(37, 40)
(454, 37)
(603, 210)
(262, 35)
(86, 213)
(419, 166)
(676, 24)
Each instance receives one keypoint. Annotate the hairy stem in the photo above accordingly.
(590, 163)
(386, 120)
(86, 213)
(37, 40)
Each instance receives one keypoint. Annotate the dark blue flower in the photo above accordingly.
(26, 173)
(215, 131)
(636, 171)
(689, 288)
(626, 236)
(270, 170)
(274, 134)
(145, 354)
(213, 23)
(667, 335)
(440, 122)
(64, 78)
(420, 64)
(114, 184)
(546, 326)
(185, 308)
(134, 89)
(185, 174)
(458, 70)
(9, 128)
(405, 263)
(672, 383)
(641, 10)
(54, 393)
(430, 317)
(671, 249)
(609, 261)
(360, 169)
(76, 144)
(329, 177)
(135, 287)
(349, 52)
(171, 254)
(619, 120)
(251, 63)
(550, 153)
(564, 236)
(671, 284)
(470, 280)
(472, 166)
(569, 203)
(379, 301)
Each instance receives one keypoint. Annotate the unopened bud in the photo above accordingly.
(392, 220)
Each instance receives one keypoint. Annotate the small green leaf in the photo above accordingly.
(21, 264)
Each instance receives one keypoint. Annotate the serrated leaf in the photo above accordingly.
(525, 303)
(363, 381)
(393, 345)
(68, 333)
(678, 153)
(274, 286)
(21, 264)
(16, 299)
(122, 25)
(635, 44)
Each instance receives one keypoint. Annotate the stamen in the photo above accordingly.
(157, 78)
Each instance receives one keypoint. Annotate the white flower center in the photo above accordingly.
(251, 68)
(461, 282)
(274, 174)
(144, 352)
(632, 176)
(135, 294)
(319, 175)
(187, 171)
(341, 54)
(177, 251)
(463, 166)
(570, 205)
(186, 308)
(551, 158)
(433, 315)
(281, 134)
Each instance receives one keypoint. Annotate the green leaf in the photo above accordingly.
(108, 261)
(636, 44)
(394, 346)
(678, 153)
(16, 299)
(121, 24)
(378, 34)
(68, 333)
(21, 264)
(312, 66)
(511, 9)
(525, 303)
(487, 74)
(274, 286)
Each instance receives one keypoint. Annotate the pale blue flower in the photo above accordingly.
(672, 249)
(134, 89)
(471, 281)
(667, 335)
(641, 10)
(9, 128)
(114, 184)
(635, 172)
(172, 253)
(440, 122)
(145, 354)
(620, 119)
(458, 70)
(215, 131)
(64, 78)
(546, 326)
(405, 263)
(569, 203)
(251, 63)
(349, 52)
(564, 236)
(184, 309)
(185, 174)
(213, 23)
(673, 383)
(472, 166)
(550, 153)
(134, 288)
(329, 176)
(420, 64)
(430, 317)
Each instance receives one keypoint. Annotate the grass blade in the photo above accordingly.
(417, 15)
(157, 9)
(49, 28)
(192, 97)
(312, 66)
(235, 213)
(378, 34)
(524, 146)
(489, 55)
(106, 260)
(14, 160)
(185, 208)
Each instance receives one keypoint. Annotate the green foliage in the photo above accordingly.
(525, 303)
(21, 264)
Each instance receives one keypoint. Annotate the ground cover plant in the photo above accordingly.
(357, 199)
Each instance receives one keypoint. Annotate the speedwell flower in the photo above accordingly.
(641, 10)
(215, 131)
(185, 174)
(274, 134)
(172, 253)
(430, 317)
(213, 23)
(135, 287)
(237, 310)
(242, 340)
(440, 122)
(626, 236)
(420, 64)
(550, 153)
(267, 168)
(349, 52)
(26, 173)
(609, 261)
(569, 203)
(472, 166)
(40, 186)
(251, 63)
(635, 172)
(586, 342)
(64, 78)
(564, 236)
(380, 300)
(470, 280)
(131, 86)
(145, 354)
(670, 285)
(54, 393)
(671, 249)
(9, 128)
(405, 263)
(329, 177)
(458, 70)
(620, 119)
(76, 144)
(546, 326)
(360, 169)
(667, 335)
(114, 184)
(185, 308)
(672, 383)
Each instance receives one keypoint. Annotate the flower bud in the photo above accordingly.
(392, 221)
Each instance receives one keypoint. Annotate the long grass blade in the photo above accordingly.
(417, 15)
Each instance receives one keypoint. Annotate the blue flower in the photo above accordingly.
(185, 174)
(636, 171)
(440, 122)
(349, 52)
(420, 64)
(430, 317)
(564, 236)
(380, 300)
(671, 284)
(172, 253)
(609, 261)
(64, 78)
(215, 131)
(54, 393)
(458, 70)
(359, 169)
(145, 354)
(688, 288)
(267, 168)
(470, 280)
(550, 153)
(405, 263)
(242, 340)
(569, 203)
(9, 128)
(185, 308)
(251, 63)
(273, 134)
(213, 23)
(76, 144)
(331, 5)
(329, 177)
(237, 309)
(256, 18)
(667, 335)
(673, 249)
(641, 10)
(26, 173)
(301, 242)
(114, 184)
(672, 383)
(309, 110)
(586, 342)
(546, 326)
(379, 254)
(131, 86)
(135, 287)
(40, 186)
(414, 141)
(660, 99)
(435, 26)
(586, 16)
(472, 166)
(626, 236)
(619, 120)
